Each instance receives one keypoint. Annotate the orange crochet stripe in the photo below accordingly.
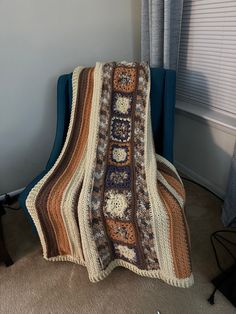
(178, 233)
(55, 196)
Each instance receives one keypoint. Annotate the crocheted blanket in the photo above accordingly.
(109, 200)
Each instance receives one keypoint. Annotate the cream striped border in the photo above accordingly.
(169, 165)
(84, 204)
(68, 202)
(160, 221)
(161, 225)
(30, 201)
(162, 179)
(73, 232)
(181, 283)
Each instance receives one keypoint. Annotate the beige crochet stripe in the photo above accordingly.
(88, 243)
(69, 198)
(174, 202)
(56, 192)
(174, 183)
(159, 212)
(30, 202)
(161, 159)
(68, 169)
(179, 238)
(164, 180)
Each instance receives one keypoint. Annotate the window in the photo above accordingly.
(207, 56)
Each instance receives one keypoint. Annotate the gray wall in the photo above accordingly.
(39, 41)
(203, 150)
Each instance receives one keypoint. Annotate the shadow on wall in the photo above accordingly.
(203, 149)
(16, 149)
(39, 43)
(136, 31)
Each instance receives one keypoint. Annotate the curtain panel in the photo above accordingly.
(160, 32)
(229, 208)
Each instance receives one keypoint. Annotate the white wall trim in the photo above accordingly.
(216, 119)
(199, 179)
(12, 194)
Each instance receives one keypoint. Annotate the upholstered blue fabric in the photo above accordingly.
(162, 98)
(64, 96)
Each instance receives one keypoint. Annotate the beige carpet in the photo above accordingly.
(33, 285)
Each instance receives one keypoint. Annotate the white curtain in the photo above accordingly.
(160, 32)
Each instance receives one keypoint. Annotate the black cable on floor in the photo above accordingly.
(8, 201)
(216, 236)
(9, 207)
(225, 273)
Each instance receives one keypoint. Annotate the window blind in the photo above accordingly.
(207, 55)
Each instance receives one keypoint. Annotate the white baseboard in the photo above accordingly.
(199, 179)
(13, 193)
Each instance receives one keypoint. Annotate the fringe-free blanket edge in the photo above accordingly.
(82, 242)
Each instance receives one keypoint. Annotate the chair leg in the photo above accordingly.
(4, 255)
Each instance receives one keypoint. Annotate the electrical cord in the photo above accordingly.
(7, 201)
(12, 208)
(217, 237)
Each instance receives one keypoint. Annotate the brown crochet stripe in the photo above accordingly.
(52, 218)
(163, 168)
(56, 194)
(174, 183)
(178, 233)
(41, 200)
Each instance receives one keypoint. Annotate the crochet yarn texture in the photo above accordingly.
(109, 200)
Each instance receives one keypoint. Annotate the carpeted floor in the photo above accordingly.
(33, 285)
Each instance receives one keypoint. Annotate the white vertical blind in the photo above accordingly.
(207, 57)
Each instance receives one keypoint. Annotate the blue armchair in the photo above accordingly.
(162, 97)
